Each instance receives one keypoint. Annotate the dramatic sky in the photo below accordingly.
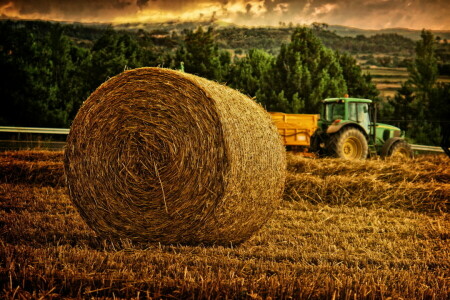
(369, 14)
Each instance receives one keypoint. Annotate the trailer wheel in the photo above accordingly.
(399, 149)
(348, 143)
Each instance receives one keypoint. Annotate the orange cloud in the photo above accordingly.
(417, 14)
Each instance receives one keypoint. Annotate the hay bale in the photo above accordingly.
(164, 156)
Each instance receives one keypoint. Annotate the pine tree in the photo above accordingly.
(41, 86)
(401, 105)
(304, 73)
(112, 54)
(359, 85)
(246, 74)
(422, 104)
(424, 71)
(200, 55)
(423, 77)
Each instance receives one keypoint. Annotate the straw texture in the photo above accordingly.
(163, 156)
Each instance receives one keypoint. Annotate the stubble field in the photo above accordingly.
(363, 230)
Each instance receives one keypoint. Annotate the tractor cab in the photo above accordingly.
(340, 111)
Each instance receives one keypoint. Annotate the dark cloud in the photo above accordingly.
(363, 13)
(270, 5)
(142, 3)
(70, 9)
(248, 8)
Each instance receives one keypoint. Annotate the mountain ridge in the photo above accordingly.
(341, 30)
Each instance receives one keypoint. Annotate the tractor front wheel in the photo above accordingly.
(348, 143)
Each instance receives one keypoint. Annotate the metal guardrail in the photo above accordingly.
(29, 143)
(66, 131)
(34, 130)
(426, 148)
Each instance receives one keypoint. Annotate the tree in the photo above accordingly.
(423, 72)
(112, 54)
(358, 84)
(40, 86)
(421, 104)
(423, 77)
(200, 55)
(440, 110)
(304, 73)
(67, 82)
(247, 73)
(401, 106)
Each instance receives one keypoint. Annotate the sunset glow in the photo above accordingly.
(368, 14)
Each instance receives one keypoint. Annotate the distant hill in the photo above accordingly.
(338, 29)
(409, 33)
(242, 38)
(178, 26)
(386, 47)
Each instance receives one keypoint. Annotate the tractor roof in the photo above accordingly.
(343, 99)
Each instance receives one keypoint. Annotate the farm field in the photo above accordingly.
(363, 230)
(389, 80)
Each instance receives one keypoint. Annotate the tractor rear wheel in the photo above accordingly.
(348, 143)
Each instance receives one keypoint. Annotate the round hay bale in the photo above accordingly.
(163, 156)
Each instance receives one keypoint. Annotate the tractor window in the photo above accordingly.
(363, 115)
(352, 112)
(334, 111)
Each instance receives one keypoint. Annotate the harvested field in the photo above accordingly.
(421, 184)
(389, 80)
(362, 230)
(32, 167)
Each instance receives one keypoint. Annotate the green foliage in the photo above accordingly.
(443, 56)
(112, 54)
(423, 73)
(359, 85)
(304, 73)
(246, 74)
(271, 38)
(268, 39)
(46, 75)
(422, 106)
(40, 82)
(201, 56)
(49, 69)
(440, 107)
(400, 106)
(386, 43)
(423, 77)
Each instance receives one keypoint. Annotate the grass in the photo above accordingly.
(363, 230)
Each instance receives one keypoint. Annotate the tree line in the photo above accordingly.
(47, 74)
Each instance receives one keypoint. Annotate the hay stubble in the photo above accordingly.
(312, 248)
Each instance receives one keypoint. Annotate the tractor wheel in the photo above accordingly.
(348, 143)
(400, 149)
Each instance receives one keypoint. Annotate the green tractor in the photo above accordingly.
(348, 129)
